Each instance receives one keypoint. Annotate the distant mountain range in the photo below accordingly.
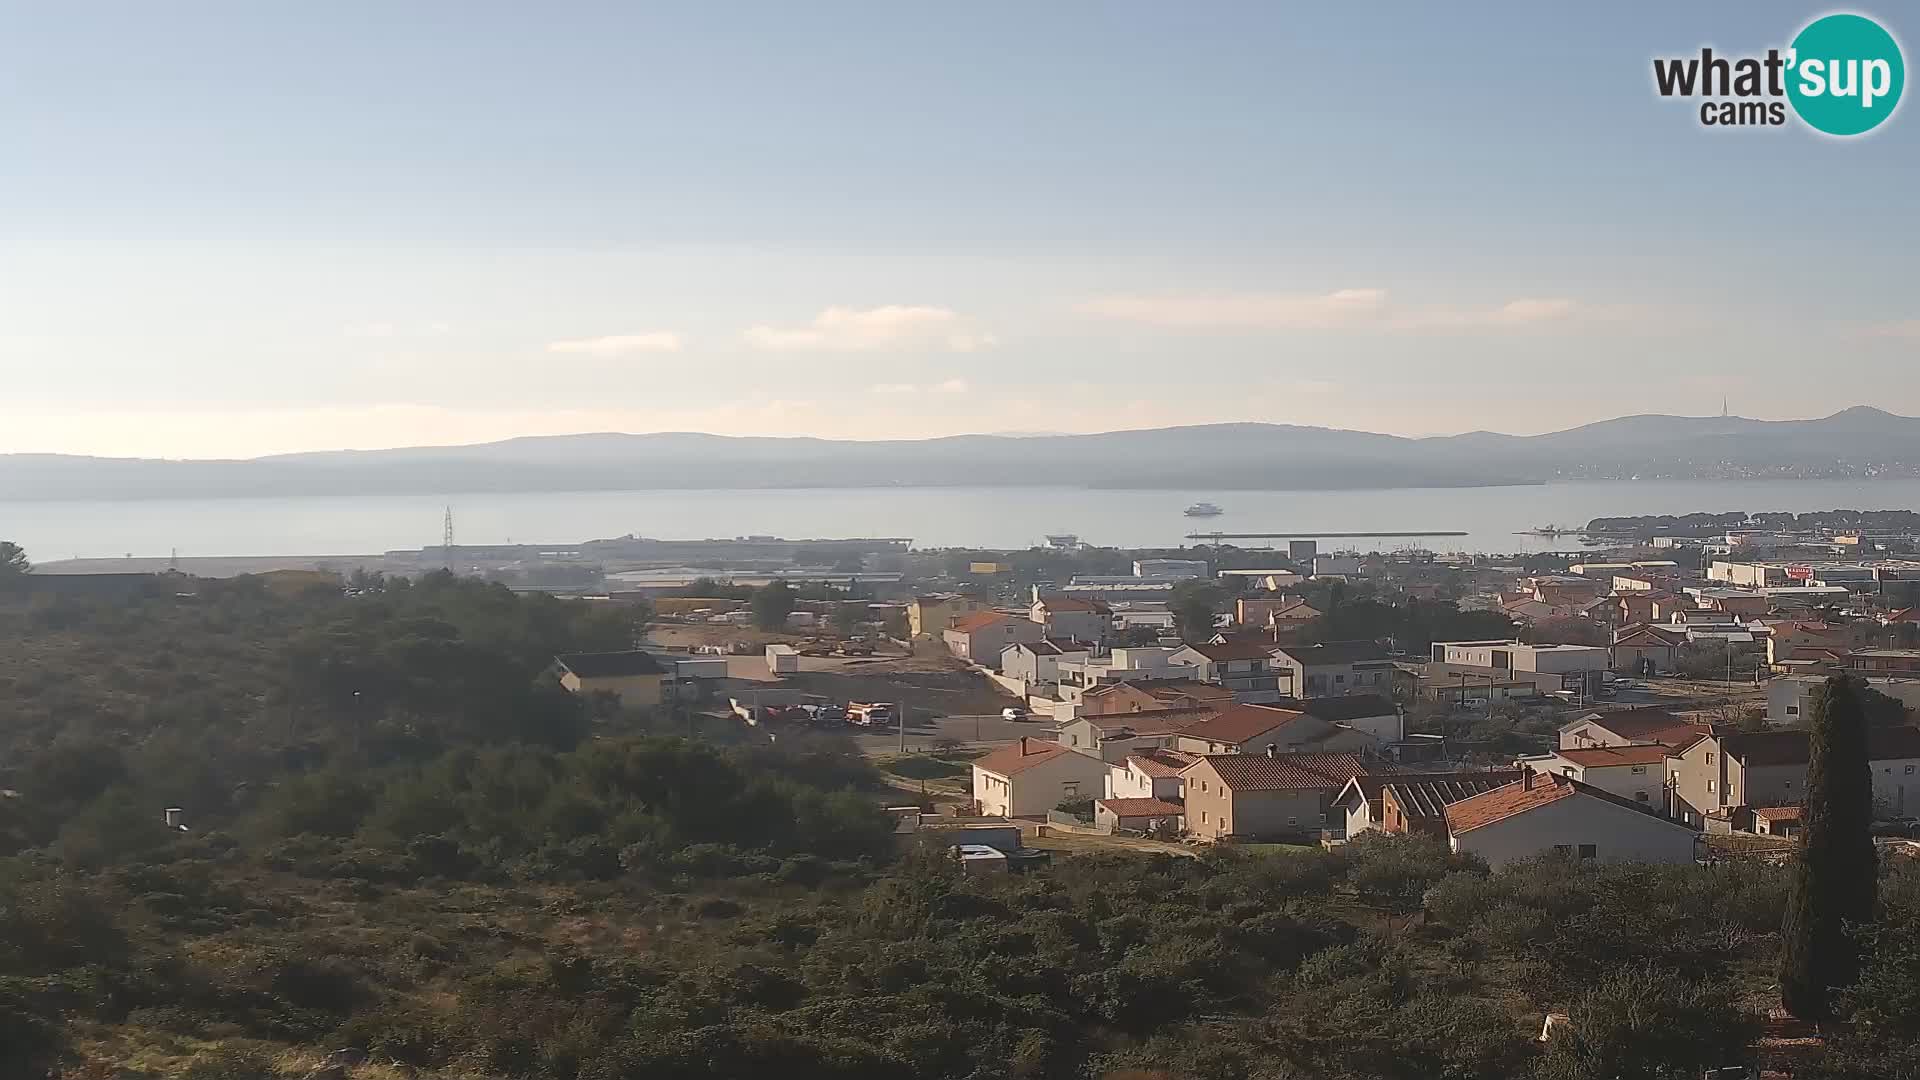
(1860, 441)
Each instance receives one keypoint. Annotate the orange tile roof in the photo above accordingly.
(979, 620)
(1242, 722)
(1142, 807)
(1160, 763)
(1777, 813)
(1020, 756)
(1529, 793)
(1233, 650)
(1153, 721)
(1600, 757)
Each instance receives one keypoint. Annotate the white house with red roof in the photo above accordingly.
(1631, 772)
(1542, 814)
(982, 636)
(1147, 774)
(1245, 667)
(1074, 617)
(1030, 777)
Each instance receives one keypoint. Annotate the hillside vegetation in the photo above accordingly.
(405, 840)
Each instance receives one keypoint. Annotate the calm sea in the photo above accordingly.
(933, 517)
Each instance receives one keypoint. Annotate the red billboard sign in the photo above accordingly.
(1800, 573)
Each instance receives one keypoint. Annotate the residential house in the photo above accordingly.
(1260, 795)
(1147, 774)
(1575, 668)
(635, 678)
(1420, 803)
(1138, 815)
(1792, 635)
(1112, 738)
(1777, 820)
(1030, 777)
(1334, 668)
(1147, 694)
(1790, 697)
(1717, 772)
(1644, 649)
(1630, 727)
(1073, 617)
(983, 636)
(1543, 813)
(1279, 613)
(1120, 665)
(1037, 663)
(1374, 714)
(1631, 772)
(1246, 729)
(1885, 662)
(928, 615)
(1245, 667)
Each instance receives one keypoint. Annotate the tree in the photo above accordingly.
(772, 603)
(13, 561)
(1833, 881)
(1194, 605)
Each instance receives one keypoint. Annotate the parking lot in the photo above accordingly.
(923, 730)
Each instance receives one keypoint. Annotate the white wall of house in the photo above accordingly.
(1125, 781)
(1039, 788)
(1614, 831)
(1640, 783)
(1385, 728)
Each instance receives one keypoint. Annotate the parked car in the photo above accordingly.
(1013, 712)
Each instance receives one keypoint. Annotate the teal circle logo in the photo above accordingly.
(1845, 74)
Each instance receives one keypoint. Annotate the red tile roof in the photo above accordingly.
(1284, 772)
(1127, 808)
(1531, 792)
(1242, 722)
(1600, 757)
(977, 621)
(1777, 813)
(1160, 763)
(1020, 756)
(1528, 793)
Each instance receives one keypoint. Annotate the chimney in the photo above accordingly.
(1273, 750)
(1526, 778)
(1023, 746)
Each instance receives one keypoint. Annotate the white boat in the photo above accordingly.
(1203, 509)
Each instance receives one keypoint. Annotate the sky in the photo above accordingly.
(230, 229)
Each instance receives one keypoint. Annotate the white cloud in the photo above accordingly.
(894, 388)
(620, 344)
(892, 326)
(952, 386)
(1341, 309)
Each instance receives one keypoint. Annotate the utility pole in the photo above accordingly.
(446, 540)
(903, 727)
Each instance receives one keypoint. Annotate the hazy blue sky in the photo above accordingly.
(238, 228)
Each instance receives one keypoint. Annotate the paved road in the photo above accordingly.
(974, 730)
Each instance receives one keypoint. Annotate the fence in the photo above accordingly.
(1062, 819)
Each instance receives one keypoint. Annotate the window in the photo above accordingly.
(1909, 770)
(1566, 770)
(1639, 770)
(1709, 757)
(1640, 796)
(1793, 710)
(1292, 822)
(1203, 817)
(1589, 851)
(1709, 785)
(1323, 819)
(1071, 789)
(1563, 849)
(1339, 678)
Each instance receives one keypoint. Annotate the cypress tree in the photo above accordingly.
(1834, 875)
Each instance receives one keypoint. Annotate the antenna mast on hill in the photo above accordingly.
(446, 541)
